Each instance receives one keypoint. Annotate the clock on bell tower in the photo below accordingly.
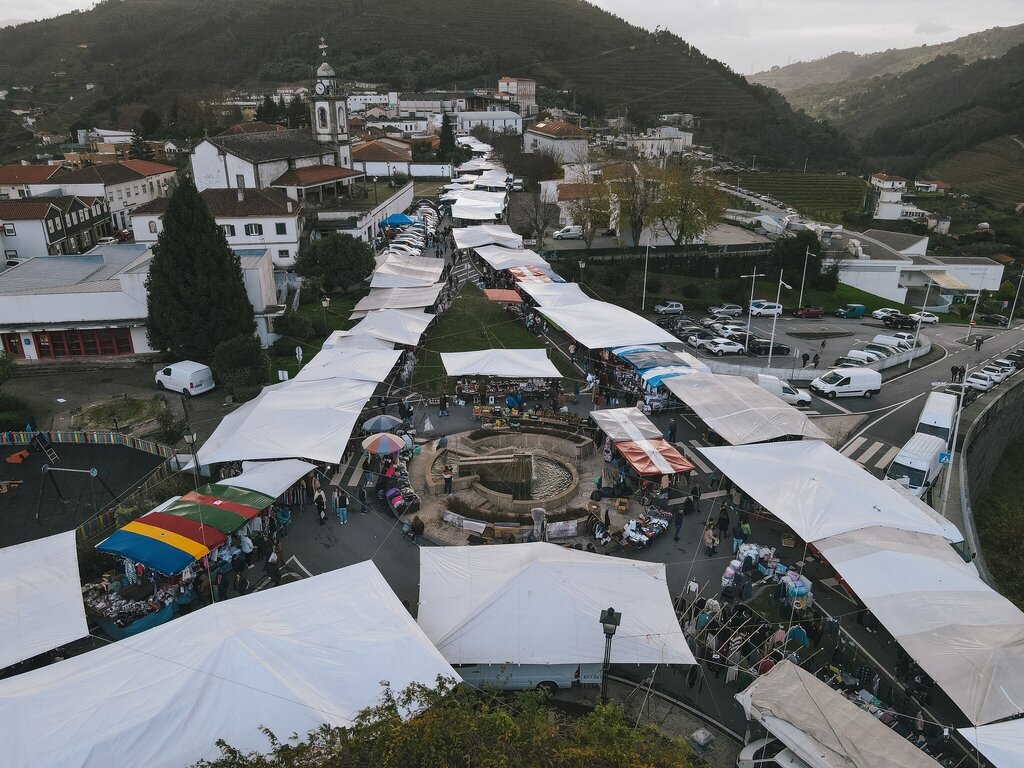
(328, 113)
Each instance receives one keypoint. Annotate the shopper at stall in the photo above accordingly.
(738, 537)
(417, 530)
(341, 504)
(247, 546)
(446, 475)
(723, 522)
(320, 502)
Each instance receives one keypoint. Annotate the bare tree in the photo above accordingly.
(586, 199)
(689, 203)
(540, 210)
(636, 192)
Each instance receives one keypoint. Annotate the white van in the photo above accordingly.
(783, 390)
(938, 416)
(186, 377)
(864, 357)
(892, 341)
(769, 753)
(848, 382)
(521, 677)
(917, 464)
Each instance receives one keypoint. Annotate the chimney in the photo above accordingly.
(241, 194)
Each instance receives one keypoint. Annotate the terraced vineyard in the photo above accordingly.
(994, 169)
(821, 195)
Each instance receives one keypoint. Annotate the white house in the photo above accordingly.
(565, 141)
(51, 226)
(522, 91)
(95, 305)
(15, 180)
(499, 121)
(889, 205)
(358, 102)
(885, 181)
(661, 141)
(249, 217)
(424, 104)
(126, 185)
(926, 185)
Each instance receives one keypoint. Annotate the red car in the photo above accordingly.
(817, 312)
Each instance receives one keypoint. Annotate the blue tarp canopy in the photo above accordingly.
(397, 220)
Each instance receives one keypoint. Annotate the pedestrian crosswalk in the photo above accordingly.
(871, 454)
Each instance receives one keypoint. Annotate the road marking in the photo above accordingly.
(692, 456)
(300, 566)
(893, 410)
(865, 457)
(887, 458)
(833, 404)
(849, 449)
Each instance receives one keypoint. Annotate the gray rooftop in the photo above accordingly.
(265, 146)
(896, 240)
(94, 271)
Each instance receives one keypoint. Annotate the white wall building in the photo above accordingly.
(248, 217)
(94, 305)
(565, 141)
(16, 180)
(522, 91)
(662, 141)
(499, 121)
(358, 102)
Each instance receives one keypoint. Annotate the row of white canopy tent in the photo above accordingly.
(391, 326)
(540, 603)
(416, 298)
(598, 325)
(499, 257)
(501, 363)
(739, 410)
(895, 554)
(290, 658)
(486, 234)
(403, 271)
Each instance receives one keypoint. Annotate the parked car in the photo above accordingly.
(733, 310)
(762, 346)
(569, 233)
(768, 309)
(995, 372)
(669, 308)
(707, 322)
(1002, 320)
(1010, 366)
(979, 381)
(724, 347)
(697, 339)
(187, 377)
(809, 312)
(963, 393)
(884, 312)
(851, 310)
(848, 362)
(925, 317)
(757, 303)
(899, 320)
(910, 338)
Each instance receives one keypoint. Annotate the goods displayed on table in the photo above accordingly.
(124, 605)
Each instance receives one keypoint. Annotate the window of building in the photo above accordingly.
(151, 188)
(283, 254)
(10, 254)
(137, 192)
(9, 230)
(282, 228)
(321, 117)
(57, 222)
(229, 230)
(67, 219)
(240, 181)
(152, 227)
(254, 229)
(49, 225)
(110, 197)
(119, 195)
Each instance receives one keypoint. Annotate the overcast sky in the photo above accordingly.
(756, 34)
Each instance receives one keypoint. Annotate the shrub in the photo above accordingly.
(294, 325)
(283, 347)
(15, 412)
(169, 429)
(320, 327)
(691, 291)
(240, 364)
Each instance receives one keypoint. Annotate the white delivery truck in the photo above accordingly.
(917, 464)
(938, 416)
(783, 390)
(186, 377)
(520, 677)
(848, 382)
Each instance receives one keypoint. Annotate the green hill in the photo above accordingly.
(169, 55)
(820, 195)
(994, 170)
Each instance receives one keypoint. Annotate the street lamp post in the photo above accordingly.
(1016, 296)
(803, 278)
(917, 333)
(970, 327)
(775, 318)
(750, 317)
(191, 438)
(583, 265)
(952, 449)
(610, 619)
(325, 302)
(375, 201)
(647, 256)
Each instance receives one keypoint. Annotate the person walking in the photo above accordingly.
(822, 345)
(417, 531)
(977, 344)
(954, 372)
(446, 475)
(362, 500)
(671, 430)
(696, 492)
(677, 521)
(572, 351)
(723, 522)
(689, 507)
(341, 505)
(247, 547)
(737, 538)
(442, 442)
(815, 360)
(274, 568)
(320, 502)
(710, 540)
(442, 408)
(963, 372)
(576, 392)
(806, 358)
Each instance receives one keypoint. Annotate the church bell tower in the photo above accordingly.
(328, 113)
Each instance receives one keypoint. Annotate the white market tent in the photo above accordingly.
(964, 634)
(598, 325)
(486, 234)
(625, 424)
(308, 419)
(821, 727)
(502, 363)
(472, 211)
(371, 365)
(463, 194)
(401, 271)
(41, 604)
(290, 659)
(541, 604)
(1002, 744)
(739, 410)
(951, 532)
(395, 325)
(398, 298)
(816, 490)
(499, 258)
(271, 478)
(349, 340)
(553, 294)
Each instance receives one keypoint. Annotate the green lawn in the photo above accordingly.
(337, 320)
(472, 322)
(125, 412)
(998, 515)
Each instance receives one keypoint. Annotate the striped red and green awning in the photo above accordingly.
(223, 507)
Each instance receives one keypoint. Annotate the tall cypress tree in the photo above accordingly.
(446, 148)
(195, 291)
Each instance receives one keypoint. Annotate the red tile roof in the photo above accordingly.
(557, 129)
(313, 175)
(886, 177)
(377, 151)
(148, 167)
(256, 126)
(24, 210)
(26, 174)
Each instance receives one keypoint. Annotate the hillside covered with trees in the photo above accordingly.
(170, 56)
